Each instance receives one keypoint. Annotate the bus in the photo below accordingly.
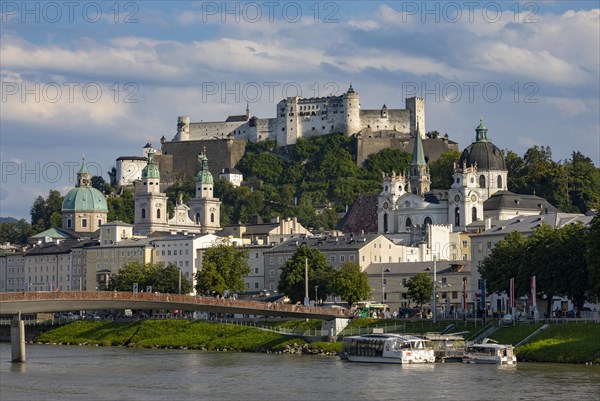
(367, 309)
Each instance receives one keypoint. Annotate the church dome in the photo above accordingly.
(88, 199)
(485, 154)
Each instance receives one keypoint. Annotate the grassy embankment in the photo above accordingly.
(566, 343)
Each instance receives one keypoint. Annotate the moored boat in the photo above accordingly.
(387, 348)
(490, 353)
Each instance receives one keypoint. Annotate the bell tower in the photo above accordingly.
(205, 209)
(150, 204)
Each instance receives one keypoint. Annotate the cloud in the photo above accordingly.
(567, 107)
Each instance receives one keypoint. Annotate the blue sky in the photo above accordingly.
(104, 78)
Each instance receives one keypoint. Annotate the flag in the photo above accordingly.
(511, 300)
(532, 292)
(483, 303)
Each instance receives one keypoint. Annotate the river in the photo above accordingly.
(115, 373)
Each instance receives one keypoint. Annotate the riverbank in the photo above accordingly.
(561, 343)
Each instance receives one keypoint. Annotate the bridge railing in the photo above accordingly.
(170, 298)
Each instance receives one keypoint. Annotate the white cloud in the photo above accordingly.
(566, 106)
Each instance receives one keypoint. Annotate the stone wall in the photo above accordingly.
(375, 142)
(181, 158)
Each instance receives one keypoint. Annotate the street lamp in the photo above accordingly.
(316, 297)
(383, 283)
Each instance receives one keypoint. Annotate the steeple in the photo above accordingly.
(247, 111)
(419, 171)
(151, 169)
(481, 131)
(204, 176)
(83, 176)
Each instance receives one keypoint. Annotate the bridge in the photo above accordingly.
(17, 303)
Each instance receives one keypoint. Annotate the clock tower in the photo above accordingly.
(205, 209)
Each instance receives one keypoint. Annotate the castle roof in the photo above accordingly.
(510, 200)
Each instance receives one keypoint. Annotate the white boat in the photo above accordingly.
(387, 348)
(490, 353)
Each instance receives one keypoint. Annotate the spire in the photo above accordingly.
(418, 159)
(83, 176)
(204, 176)
(350, 89)
(481, 131)
(151, 169)
(247, 111)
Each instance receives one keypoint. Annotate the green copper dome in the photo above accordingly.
(204, 176)
(482, 152)
(84, 199)
(151, 169)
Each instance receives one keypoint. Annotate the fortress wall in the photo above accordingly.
(184, 156)
(432, 148)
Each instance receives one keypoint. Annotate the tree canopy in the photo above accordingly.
(223, 269)
(292, 278)
(351, 283)
(420, 288)
(46, 213)
(551, 255)
(162, 279)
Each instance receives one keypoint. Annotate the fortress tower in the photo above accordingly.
(416, 106)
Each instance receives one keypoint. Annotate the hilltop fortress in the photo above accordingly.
(296, 117)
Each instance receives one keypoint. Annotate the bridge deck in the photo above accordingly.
(37, 302)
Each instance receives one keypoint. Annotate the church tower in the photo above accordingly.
(205, 209)
(481, 172)
(150, 204)
(420, 181)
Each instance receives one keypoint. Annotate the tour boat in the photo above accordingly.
(387, 348)
(489, 353)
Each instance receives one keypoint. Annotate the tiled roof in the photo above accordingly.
(362, 216)
(325, 244)
(442, 267)
(526, 224)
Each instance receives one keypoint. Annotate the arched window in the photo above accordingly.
(482, 181)
(474, 214)
(427, 221)
(408, 222)
(212, 217)
(197, 218)
(68, 223)
(158, 213)
(385, 223)
(500, 181)
(457, 217)
(386, 188)
(143, 213)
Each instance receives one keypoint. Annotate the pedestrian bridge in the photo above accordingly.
(46, 302)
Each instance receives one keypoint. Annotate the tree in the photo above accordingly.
(503, 263)
(351, 283)
(121, 207)
(223, 268)
(592, 256)
(46, 213)
(292, 279)
(442, 169)
(420, 288)
(38, 211)
(583, 183)
(160, 278)
(15, 232)
(99, 183)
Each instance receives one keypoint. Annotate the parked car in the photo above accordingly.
(572, 314)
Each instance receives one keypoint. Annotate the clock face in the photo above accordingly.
(385, 205)
(456, 198)
(473, 198)
(212, 209)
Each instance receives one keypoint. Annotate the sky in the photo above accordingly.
(101, 79)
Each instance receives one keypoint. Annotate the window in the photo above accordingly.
(457, 217)
(143, 213)
(83, 223)
(385, 221)
(256, 270)
(158, 213)
(482, 181)
(255, 286)
(342, 258)
(444, 280)
(474, 214)
(197, 218)
(499, 181)
(464, 244)
(351, 258)
(332, 258)
(68, 223)
(271, 273)
(404, 282)
(100, 222)
(427, 221)
(408, 222)
(454, 294)
(212, 217)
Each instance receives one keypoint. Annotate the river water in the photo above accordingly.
(111, 373)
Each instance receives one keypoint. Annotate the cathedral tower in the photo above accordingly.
(150, 204)
(205, 209)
